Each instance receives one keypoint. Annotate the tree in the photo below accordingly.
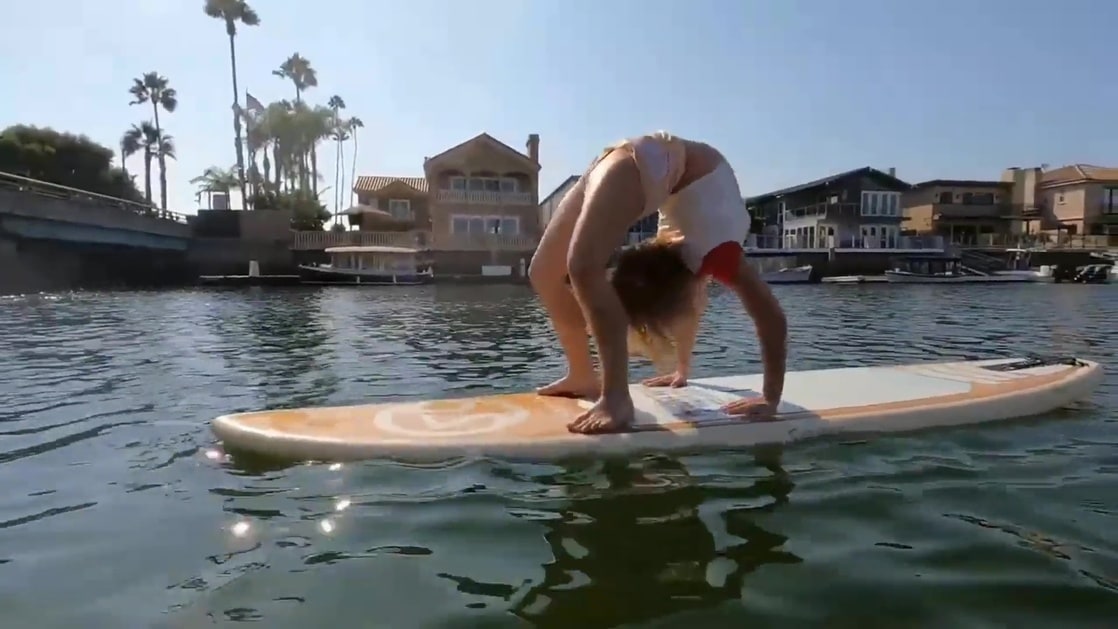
(354, 124)
(141, 137)
(339, 135)
(307, 213)
(299, 71)
(64, 159)
(155, 89)
(231, 12)
(215, 179)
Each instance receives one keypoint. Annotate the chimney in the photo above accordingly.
(534, 147)
(892, 172)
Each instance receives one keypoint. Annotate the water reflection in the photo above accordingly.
(648, 545)
(282, 342)
(482, 336)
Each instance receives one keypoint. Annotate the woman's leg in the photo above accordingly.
(614, 200)
(547, 273)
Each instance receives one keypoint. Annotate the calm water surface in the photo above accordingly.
(119, 509)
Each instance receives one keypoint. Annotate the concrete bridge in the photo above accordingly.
(55, 237)
(38, 210)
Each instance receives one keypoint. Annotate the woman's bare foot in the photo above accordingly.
(568, 386)
(609, 414)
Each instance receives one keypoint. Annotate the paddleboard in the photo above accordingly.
(816, 402)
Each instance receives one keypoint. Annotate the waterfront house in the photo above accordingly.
(638, 231)
(1080, 199)
(475, 209)
(550, 203)
(962, 210)
(858, 208)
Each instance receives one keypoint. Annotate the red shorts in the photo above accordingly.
(722, 262)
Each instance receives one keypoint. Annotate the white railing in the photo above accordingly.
(315, 240)
(483, 242)
(771, 242)
(479, 197)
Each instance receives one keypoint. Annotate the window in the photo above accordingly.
(876, 203)
(485, 184)
(1110, 200)
(946, 198)
(400, 209)
(507, 225)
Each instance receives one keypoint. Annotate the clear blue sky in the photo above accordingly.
(790, 90)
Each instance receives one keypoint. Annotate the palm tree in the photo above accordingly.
(354, 124)
(154, 88)
(130, 144)
(339, 135)
(215, 179)
(298, 70)
(232, 12)
(145, 137)
(164, 148)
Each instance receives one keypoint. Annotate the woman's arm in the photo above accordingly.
(770, 323)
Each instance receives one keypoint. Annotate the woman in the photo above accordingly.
(654, 286)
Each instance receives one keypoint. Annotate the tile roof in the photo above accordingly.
(375, 183)
(1078, 173)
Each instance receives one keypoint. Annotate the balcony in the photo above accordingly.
(317, 241)
(846, 242)
(422, 240)
(483, 242)
(484, 197)
(823, 210)
(969, 210)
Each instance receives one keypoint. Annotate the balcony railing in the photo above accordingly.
(834, 210)
(1034, 241)
(480, 197)
(423, 240)
(761, 242)
(970, 210)
(483, 242)
(316, 240)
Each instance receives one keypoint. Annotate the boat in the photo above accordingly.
(943, 269)
(790, 275)
(854, 279)
(367, 266)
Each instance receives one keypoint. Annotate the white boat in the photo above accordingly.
(792, 275)
(948, 270)
(853, 279)
(367, 266)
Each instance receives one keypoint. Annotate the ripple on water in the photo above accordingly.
(103, 433)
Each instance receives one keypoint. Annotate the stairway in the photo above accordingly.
(977, 263)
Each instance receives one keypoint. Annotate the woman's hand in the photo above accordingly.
(674, 380)
(751, 408)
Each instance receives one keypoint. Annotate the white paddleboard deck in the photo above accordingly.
(815, 403)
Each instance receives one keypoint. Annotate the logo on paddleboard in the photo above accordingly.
(440, 419)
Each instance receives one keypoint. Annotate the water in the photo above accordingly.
(119, 510)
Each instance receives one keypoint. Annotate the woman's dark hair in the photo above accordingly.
(654, 284)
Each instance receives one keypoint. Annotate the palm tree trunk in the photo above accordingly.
(314, 171)
(278, 164)
(237, 114)
(162, 182)
(353, 173)
(162, 159)
(338, 165)
(147, 175)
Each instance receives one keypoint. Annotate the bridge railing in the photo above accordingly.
(11, 181)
